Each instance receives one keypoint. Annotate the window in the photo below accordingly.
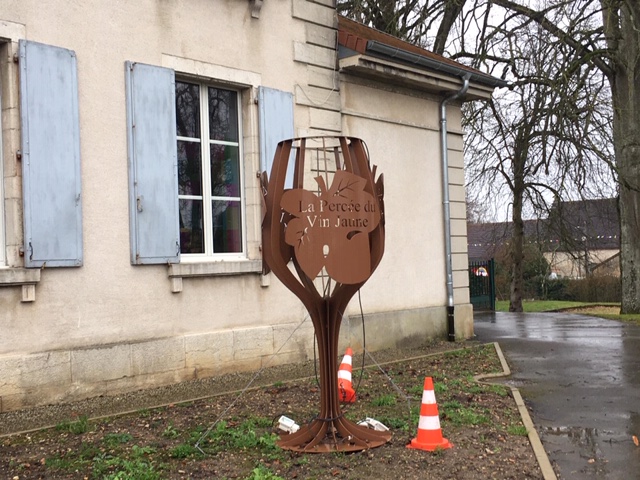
(188, 195)
(209, 170)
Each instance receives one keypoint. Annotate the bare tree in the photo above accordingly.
(476, 213)
(410, 20)
(599, 44)
(543, 138)
(602, 38)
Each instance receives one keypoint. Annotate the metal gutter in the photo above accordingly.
(434, 64)
(451, 331)
(467, 75)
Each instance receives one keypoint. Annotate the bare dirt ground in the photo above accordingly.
(183, 440)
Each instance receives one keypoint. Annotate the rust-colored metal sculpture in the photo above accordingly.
(335, 240)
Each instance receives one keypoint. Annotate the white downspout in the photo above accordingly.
(451, 332)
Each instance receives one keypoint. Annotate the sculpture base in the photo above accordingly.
(339, 435)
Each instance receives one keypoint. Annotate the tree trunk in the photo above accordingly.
(625, 84)
(517, 237)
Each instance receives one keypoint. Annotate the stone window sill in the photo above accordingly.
(178, 271)
(21, 277)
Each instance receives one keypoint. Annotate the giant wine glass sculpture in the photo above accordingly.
(330, 225)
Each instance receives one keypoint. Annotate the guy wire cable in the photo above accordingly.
(242, 392)
(396, 387)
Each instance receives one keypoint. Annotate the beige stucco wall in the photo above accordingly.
(573, 266)
(401, 128)
(107, 299)
(108, 326)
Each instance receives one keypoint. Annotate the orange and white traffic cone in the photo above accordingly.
(429, 433)
(345, 386)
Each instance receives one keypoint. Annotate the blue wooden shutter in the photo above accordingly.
(50, 138)
(153, 169)
(276, 124)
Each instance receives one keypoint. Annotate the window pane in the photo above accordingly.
(189, 168)
(187, 110)
(191, 234)
(223, 115)
(227, 227)
(225, 171)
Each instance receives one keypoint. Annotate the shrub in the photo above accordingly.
(596, 289)
(604, 289)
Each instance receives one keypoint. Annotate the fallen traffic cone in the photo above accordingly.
(345, 387)
(429, 434)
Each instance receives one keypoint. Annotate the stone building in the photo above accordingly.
(130, 220)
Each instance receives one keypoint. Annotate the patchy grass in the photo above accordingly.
(384, 400)
(190, 440)
(184, 450)
(517, 430)
(610, 311)
(137, 464)
(534, 306)
(263, 473)
(628, 317)
(77, 427)
(113, 440)
(170, 432)
(460, 414)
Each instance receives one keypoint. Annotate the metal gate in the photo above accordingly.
(482, 286)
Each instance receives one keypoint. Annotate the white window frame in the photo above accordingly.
(206, 198)
(247, 83)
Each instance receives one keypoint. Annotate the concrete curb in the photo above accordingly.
(538, 450)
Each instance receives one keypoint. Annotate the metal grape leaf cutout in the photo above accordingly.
(332, 229)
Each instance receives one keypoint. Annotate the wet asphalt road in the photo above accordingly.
(581, 376)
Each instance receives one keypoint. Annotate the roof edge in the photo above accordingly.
(381, 49)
